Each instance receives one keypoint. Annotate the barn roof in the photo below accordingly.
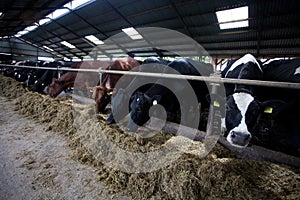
(273, 31)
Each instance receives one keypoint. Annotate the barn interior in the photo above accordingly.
(85, 30)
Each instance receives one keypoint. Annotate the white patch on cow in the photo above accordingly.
(46, 90)
(242, 101)
(297, 71)
(245, 59)
(223, 125)
(138, 99)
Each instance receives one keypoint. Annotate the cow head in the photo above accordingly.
(30, 79)
(118, 109)
(102, 97)
(140, 106)
(39, 86)
(56, 88)
(242, 116)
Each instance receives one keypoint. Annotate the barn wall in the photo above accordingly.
(21, 50)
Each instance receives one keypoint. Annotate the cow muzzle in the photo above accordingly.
(239, 139)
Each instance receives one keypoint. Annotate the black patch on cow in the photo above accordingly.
(233, 114)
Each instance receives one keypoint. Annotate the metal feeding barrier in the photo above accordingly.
(210, 79)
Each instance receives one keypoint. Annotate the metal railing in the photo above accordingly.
(209, 79)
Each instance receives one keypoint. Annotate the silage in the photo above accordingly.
(217, 176)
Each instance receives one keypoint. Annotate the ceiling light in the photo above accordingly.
(94, 39)
(233, 18)
(68, 44)
(132, 33)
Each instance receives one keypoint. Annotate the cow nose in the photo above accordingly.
(247, 137)
(240, 138)
(232, 134)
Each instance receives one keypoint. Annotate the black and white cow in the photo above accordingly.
(138, 84)
(161, 99)
(46, 78)
(35, 74)
(267, 116)
(242, 109)
(21, 74)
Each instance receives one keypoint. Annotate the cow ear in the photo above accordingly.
(155, 99)
(272, 107)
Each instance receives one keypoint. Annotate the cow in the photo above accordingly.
(35, 74)
(138, 84)
(279, 127)
(8, 70)
(103, 92)
(43, 82)
(242, 109)
(20, 74)
(264, 116)
(164, 93)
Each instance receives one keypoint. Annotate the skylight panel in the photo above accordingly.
(48, 48)
(94, 39)
(132, 33)
(31, 28)
(44, 21)
(67, 44)
(75, 4)
(45, 58)
(20, 33)
(233, 18)
(58, 13)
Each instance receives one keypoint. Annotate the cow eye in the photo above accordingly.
(138, 99)
(228, 108)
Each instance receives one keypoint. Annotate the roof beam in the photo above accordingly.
(55, 35)
(180, 18)
(69, 30)
(129, 23)
(98, 30)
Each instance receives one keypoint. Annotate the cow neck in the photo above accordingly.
(61, 85)
(67, 80)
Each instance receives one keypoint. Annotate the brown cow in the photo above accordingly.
(65, 81)
(103, 92)
(79, 80)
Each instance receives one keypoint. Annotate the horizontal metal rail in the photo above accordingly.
(210, 79)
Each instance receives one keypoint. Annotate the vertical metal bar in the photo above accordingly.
(214, 117)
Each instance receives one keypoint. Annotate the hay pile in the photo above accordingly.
(217, 176)
(11, 88)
